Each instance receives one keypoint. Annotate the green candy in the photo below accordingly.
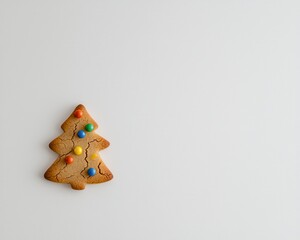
(89, 127)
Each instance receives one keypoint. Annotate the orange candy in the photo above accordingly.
(69, 159)
(78, 113)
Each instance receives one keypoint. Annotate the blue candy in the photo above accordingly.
(91, 172)
(81, 134)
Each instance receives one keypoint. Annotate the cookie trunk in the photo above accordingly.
(78, 185)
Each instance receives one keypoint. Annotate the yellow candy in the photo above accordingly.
(94, 156)
(78, 150)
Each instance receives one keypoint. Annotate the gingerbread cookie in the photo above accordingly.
(79, 162)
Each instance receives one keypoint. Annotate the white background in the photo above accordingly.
(199, 100)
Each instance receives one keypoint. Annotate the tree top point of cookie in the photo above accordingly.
(79, 115)
(80, 106)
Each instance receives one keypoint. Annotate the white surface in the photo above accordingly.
(199, 99)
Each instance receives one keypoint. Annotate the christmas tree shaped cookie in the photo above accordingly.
(78, 162)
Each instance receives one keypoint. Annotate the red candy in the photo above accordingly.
(69, 159)
(78, 113)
